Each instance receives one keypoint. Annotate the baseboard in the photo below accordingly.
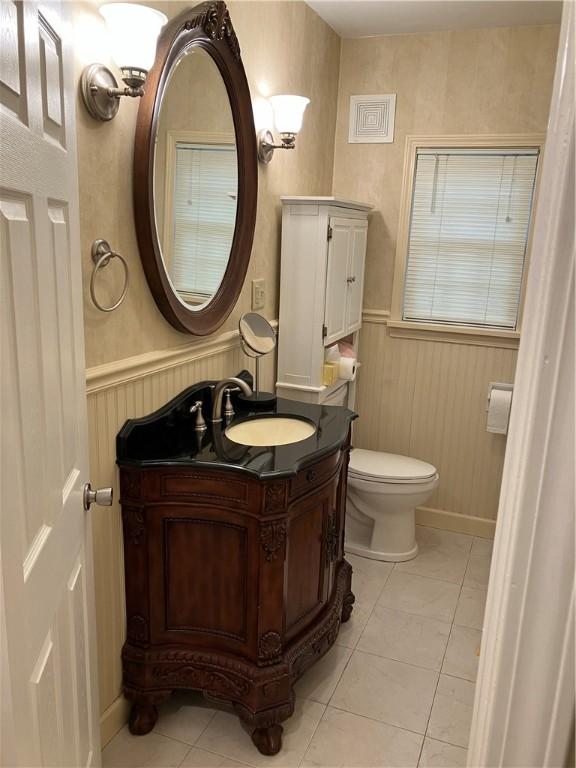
(450, 521)
(113, 719)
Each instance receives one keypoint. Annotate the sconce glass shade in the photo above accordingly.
(133, 31)
(288, 112)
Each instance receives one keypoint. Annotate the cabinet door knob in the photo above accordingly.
(311, 475)
(351, 279)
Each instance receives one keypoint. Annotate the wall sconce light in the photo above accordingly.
(133, 31)
(288, 116)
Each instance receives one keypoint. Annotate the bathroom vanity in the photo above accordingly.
(236, 580)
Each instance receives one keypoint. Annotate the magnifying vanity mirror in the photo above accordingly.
(195, 173)
(257, 338)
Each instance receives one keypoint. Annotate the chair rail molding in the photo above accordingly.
(117, 372)
(524, 706)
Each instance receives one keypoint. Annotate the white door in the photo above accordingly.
(355, 279)
(49, 697)
(336, 285)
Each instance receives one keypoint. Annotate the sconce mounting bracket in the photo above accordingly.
(266, 145)
(97, 81)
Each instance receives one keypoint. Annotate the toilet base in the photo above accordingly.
(388, 557)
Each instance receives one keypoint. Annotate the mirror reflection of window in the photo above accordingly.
(203, 217)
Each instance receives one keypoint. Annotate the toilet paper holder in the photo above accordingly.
(498, 407)
(497, 385)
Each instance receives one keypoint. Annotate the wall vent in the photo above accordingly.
(372, 119)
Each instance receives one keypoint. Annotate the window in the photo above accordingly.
(203, 217)
(467, 234)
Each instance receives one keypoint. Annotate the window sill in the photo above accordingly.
(457, 334)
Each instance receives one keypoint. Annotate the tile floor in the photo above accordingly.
(396, 691)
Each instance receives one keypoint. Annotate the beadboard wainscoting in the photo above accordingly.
(428, 399)
(126, 389)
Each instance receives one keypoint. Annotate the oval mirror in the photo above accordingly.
(195, 174)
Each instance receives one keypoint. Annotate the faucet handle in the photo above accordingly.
(200, 423)
(228, 407)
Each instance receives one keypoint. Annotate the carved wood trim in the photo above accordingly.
(133, 524)
(269, 646)
(214, 19)
(272, 538)
(274, 498)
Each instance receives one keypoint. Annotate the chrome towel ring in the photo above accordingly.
(101, 256)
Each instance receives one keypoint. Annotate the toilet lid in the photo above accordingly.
(375, 465)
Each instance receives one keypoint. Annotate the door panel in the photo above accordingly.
(307, 568)
(356, 276)
(45, 546)
(336, 285)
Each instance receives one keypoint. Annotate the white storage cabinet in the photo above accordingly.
(321, 287)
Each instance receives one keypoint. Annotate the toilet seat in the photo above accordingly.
(380, 467)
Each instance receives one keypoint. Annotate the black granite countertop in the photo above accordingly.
(167, 437)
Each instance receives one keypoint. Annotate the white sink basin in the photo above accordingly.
(270, 430)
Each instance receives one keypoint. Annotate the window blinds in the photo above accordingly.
(205, 192)
(468, 234)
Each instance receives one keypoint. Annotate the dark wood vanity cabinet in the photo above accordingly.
(234, 585)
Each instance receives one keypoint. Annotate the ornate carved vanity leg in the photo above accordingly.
(143, 718)
(349, 597)
(268, 740)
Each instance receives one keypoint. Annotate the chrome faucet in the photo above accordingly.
(218, 393)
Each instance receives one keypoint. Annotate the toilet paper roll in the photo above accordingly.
(499, 411)
(348, 368)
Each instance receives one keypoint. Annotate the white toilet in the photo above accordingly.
(384, 490)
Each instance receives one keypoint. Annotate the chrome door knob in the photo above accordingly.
(102, 497)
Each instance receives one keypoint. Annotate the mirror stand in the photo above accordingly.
(257, 338)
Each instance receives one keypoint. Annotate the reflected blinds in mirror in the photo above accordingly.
(468, 234)
(205, 192)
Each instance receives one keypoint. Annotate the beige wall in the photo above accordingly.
(131, 366)
(427, 398)
(286, 47)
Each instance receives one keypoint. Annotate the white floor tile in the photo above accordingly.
(368, 578)
(463, 653)
(470, 608)
(452, 711)
(405, 637)
(200, 758)
(477, 572)
(446, 540)
(184, 716)
(432, 598)
(226, 736)
(391, 691)
(482, 547)
(437, 564)
(350, 631)
(320, 681)
(436, 754)
(441, 555)
(150, 751)
(344, 740)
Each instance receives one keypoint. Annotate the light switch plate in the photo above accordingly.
(258, 293)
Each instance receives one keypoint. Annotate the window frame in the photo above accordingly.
(173, 138)
(433, 331)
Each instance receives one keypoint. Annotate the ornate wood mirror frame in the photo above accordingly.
(207, 26)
